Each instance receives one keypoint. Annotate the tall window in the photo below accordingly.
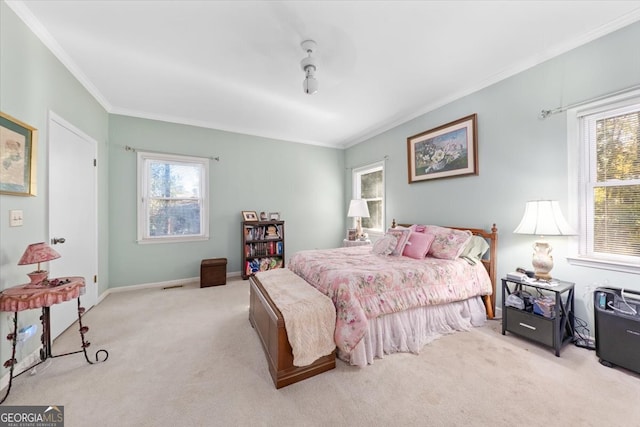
(368, 184)
(173, 198)
(609, 185)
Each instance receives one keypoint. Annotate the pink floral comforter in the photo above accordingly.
(363, 285)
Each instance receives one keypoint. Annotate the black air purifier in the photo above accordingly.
(617, 318)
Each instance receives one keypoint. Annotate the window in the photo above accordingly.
(368, 184)
(608, 186)
(173, 198)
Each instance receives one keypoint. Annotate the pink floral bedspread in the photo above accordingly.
(363, 285)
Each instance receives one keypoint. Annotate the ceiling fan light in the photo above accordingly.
(310, 85)
(308, 65)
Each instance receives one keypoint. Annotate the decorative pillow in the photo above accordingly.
(385, 245)
(475, 249)
(402, 236)
(448, 243)
(417, 228)
(418, 245)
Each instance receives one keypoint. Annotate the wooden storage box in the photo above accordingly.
(213, 272)
(268, 322)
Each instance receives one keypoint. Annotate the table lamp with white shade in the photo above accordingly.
(358, 209)
(543, 218)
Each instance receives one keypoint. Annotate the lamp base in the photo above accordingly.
(545, 277)
(359, 233)
(37, 276)
(542, 260)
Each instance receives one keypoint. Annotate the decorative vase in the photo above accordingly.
(37, 276)
(542, 260)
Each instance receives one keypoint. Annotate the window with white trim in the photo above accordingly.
(172, 198)
(609, 184)
(368, 184)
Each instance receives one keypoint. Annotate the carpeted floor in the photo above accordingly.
(188, 356)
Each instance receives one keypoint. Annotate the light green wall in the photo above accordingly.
(302, 182)
(521, 157)
(32, 83)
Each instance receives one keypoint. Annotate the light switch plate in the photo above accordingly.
(15, 218)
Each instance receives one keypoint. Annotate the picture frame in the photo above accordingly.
(18, 157)
(445, 151)
(274, 216)
(249, 215)
(351, 234)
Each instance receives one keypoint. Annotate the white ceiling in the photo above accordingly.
(235, 65)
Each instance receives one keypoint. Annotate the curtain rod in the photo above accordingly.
(546, 113)
(132, 149)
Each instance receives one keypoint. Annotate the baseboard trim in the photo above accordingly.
(152, 285)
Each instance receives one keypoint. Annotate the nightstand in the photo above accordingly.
(554, 331)
(349, 243)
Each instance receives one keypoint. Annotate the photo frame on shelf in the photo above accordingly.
(18, 157)
(249, 215)
(351, 234)
(263, 216)
(274, 216)
(443, 152)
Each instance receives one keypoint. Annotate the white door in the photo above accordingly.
(72, 215)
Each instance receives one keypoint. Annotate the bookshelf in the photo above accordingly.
(262, 246)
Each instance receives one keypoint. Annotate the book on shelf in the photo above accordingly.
(262, 264)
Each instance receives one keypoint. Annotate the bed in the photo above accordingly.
(387, 304)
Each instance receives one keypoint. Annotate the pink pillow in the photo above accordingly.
(402, 234)
(417, 228)
(448, 243)
(419, 244)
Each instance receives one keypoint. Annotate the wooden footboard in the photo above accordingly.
(269, 324)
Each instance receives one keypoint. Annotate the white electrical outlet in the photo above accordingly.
(15, 218)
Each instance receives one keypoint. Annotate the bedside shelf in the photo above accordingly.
(553, 331)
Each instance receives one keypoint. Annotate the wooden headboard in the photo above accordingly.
(490, 260)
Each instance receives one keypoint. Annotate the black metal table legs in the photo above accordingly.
(46, 350)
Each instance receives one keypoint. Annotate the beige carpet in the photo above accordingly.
(189, 357)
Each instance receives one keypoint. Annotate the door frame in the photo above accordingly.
(90, 298)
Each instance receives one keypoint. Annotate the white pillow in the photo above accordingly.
(385, 245)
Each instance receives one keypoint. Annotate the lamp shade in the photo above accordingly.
(358, 208)
(544, 218)
(37, 253)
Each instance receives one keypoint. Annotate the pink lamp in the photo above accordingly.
(37, 253)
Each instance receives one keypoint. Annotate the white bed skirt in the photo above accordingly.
(409, 331)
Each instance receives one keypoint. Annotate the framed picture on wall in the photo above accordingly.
(443, 152)
(18, 157)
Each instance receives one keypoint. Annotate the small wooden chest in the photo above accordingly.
(213, 272)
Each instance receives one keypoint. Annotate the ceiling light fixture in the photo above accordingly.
(308, 64)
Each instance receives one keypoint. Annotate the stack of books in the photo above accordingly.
(545, 306)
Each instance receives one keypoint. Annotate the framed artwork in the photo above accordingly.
(274, 216)
(18, 157)
(446, 151)
(249, 215)
(351, 234)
